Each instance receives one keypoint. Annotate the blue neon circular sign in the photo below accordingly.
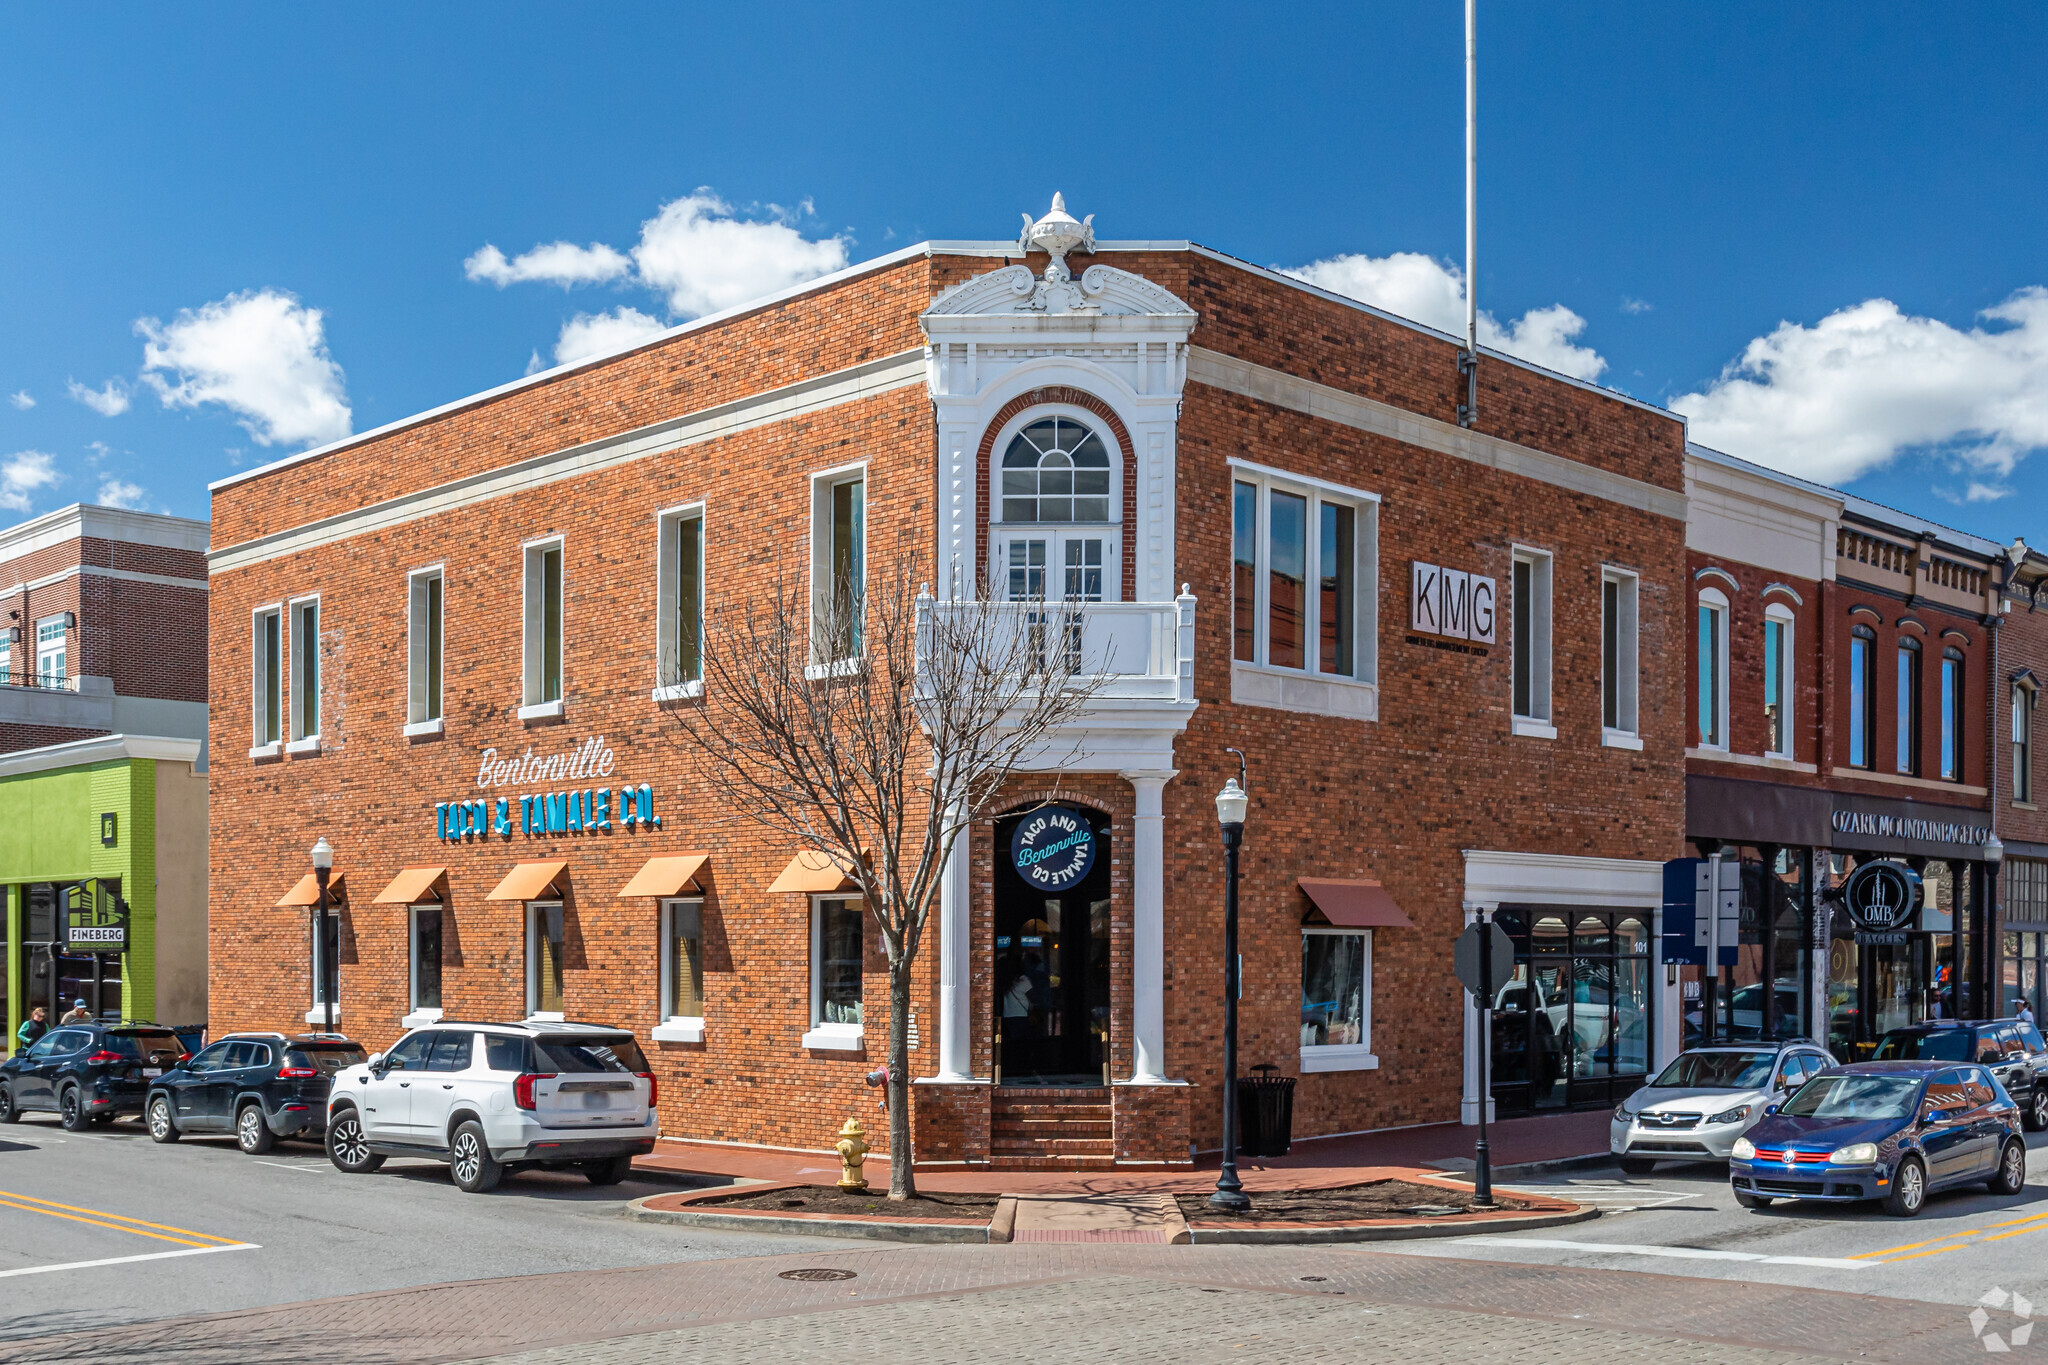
(1053, 848)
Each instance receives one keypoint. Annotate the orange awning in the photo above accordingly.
(528, 880)
(666, 876)
(306, 894)
(1358, 904)
(814, 872)
(410, 886)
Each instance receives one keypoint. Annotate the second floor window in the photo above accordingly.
(1530, 589)
(1713, 679)
(1618, 651)
(839, 517)
(423, 646)
(1298, 559)
(306, 669)
(51, 640)
(2022, 742)
(1908, 738)
(1862, 697)
(543, 633)
(1952, 715)
(1777, 682)
(268, 699)
(1056, 469)
(679, 598)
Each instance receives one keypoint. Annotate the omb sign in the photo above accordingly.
(1053, 848)
(1881, 898)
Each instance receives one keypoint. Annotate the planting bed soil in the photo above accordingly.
(830, 1199)
(1380, 1200)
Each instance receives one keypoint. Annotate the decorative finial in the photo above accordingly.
(1057, 234)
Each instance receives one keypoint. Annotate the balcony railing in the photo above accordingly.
(1133, 651)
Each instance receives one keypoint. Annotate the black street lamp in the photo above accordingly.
(323, 864)
(1231, 803)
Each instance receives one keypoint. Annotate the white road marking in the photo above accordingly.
(316, 1168)
(124, 1260)
(1610, 1196)
(1674, 1253)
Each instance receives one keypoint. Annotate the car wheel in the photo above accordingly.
(252, 1134)
(1637, 1165)
(162, 1127)
(8, 1113)
(71, 1111)
(347, 1148)
(1909, 1189)
(2012, 1169)
(609, 1171)
(2036, 1112)
(469, 1160)
(1753, 1201)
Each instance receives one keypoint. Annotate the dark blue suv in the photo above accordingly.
(258, 1086)
(87, 1073)
(1895, 1131)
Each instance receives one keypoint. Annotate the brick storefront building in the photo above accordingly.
(1443, 650)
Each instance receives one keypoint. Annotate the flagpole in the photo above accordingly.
(1468, 363)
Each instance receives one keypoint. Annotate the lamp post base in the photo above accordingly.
(1230, 1201)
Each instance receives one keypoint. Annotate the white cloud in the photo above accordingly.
(117, 493)
(21, 474)
(22, 399)
(1985, 492)
(589, 334)
(109, 401)
(562, 263)
(1634, 306)
(1868, 383)
(1411, 285)
(261, 354)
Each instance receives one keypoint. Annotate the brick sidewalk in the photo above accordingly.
(1302, 1302)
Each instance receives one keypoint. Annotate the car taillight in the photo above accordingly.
(522, 1089)
(653, 1086)
(105, 1056)
(297, 1073)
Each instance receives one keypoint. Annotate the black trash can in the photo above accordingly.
(1265, 1112)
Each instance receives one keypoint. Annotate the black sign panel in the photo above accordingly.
(1053, 848)
(95, 919)
(1882, 896)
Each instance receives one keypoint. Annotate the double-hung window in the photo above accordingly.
(679, 604)
(425, 598)
(267, 680)
(1336, 1000)
(1778, 681)
(305, 676)
(1952, 715)
(52, 638)
(1908, 736)
(1712, 649)
(2023, 741)
(682, 971)
(1618, 656)
(1303, 581)
(541, 666)
(838, 567)
(836, 938)
(1529, 626)
(1862, 697)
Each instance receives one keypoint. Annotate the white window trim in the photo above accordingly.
(1117, 456)
(1713, 599)
(296, 740)
(1344, 1056)
(1629, 649)
(1306, 690)
(62, 648)
(1787, 687)
(676, 1028)
(534, 908)
(1541, 721)
(259, 681)
(831, 1037)
(532, 619)
(412, 956)
(823, 481)
(669, 684)
(415, 661)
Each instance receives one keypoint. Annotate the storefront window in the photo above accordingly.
(1572, 1027)
(1336, 988)
(836, 959)
(544, 959)
(683, 960)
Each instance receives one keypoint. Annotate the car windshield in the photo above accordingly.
(587, 1054)
(1935, 1045)
(143, 1045)
(1854, 1097)
(326, 1058)
(1719, 1071)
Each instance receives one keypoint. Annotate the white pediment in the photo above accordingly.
(1102, 291)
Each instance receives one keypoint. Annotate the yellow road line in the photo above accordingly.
(28, 1203)
(2039, 1227)
(1958, 1246)
(2037, 1218)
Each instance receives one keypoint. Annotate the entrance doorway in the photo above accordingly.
(1052, 967)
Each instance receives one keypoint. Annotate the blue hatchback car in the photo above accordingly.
(1895, 1131)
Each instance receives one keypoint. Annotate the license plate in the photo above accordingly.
(152, 1071)
(596, 1099)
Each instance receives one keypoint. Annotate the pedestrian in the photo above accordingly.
(78, 1014)
(2025, 1013)
(31, 1028)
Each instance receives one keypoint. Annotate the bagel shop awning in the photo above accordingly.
(668, 876)
(815, 873)
(305, 894)
(413, 885)
(529, 881)
(1356, 904)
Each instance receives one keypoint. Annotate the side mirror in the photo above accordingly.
(376, 1065)
(1932, 1117)
(1770, 1109)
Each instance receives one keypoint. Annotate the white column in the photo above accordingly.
(1148, 928)
(1468, 1106)
(956, 1033)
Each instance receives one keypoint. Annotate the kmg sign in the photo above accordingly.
(1451, 602)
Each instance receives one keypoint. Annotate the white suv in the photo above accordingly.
(488, 1098)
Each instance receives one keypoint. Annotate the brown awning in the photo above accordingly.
(666, 876)
(528, 880)
(410, 886)
(306, 894)
(813, 872)
(1358, 904)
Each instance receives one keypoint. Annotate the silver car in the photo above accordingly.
(1707, 1098)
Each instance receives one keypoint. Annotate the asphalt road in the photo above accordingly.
(223, 1231)
(1683, 1220)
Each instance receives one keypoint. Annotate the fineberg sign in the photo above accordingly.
(1451, 603)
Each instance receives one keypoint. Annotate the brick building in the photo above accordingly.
(449, 647)
(2019, 674)
(102, 763)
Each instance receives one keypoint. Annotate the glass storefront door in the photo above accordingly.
(1052, 972)
(1572, 1028)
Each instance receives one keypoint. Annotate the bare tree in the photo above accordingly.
(872, 729)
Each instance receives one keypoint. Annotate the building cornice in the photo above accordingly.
(85, 521)
(99, 749)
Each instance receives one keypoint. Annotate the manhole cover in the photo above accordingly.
(819, 1273)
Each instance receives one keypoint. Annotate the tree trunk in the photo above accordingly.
(902, 1183)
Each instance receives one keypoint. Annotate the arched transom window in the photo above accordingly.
(1056, 469)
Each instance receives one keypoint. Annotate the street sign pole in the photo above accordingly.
(1482, 1162)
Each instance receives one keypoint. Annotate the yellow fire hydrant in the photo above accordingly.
(853, 1149)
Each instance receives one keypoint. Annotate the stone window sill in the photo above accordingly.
(542, 710)
(266, 751)
(1313, 694)
(834, 1038)
(684, 691)
(318, 1014)
(421, 728)
(309, 745)
(679, 1029)
(1534, 729)
(1340, 1057)
(1620, 739)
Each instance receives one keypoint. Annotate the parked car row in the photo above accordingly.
(1939, 1106)
(487, 1098)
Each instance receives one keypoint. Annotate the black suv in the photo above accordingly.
(2011, 1049)
(87, 1073)
(258, 1086)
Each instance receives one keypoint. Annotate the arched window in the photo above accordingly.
(1778, 680)
(1909, 706)
(2023, 739)
(1056, 469)
(1713, 666)
(1952, 715)
(1862, 697)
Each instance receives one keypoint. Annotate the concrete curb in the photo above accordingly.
(972, 1233)
(1381, 1232)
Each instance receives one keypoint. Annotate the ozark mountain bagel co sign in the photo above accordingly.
(1053, 848)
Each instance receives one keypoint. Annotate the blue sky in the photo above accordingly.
(1837, 192)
